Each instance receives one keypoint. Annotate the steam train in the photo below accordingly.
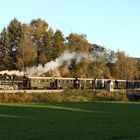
(14, 82)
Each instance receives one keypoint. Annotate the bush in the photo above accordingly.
(70, 95)
(111, 96)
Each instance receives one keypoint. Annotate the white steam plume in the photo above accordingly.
(82, 56)
(52, 65)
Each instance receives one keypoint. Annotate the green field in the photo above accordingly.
(70, 121)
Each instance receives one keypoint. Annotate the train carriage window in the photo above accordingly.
(42, 80)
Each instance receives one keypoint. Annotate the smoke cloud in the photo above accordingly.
(54, 65)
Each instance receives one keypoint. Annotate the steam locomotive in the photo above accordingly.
(14, 82)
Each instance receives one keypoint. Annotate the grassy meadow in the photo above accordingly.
(70, 121)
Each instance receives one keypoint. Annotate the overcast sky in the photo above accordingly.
(114, 24)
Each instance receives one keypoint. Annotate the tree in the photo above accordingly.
(5, 58)
(78, 43)
(42, 58)
(26, 52)
(124, 67)
(101, 57)
(39, 28)
(58, 44)
(48, 44)
(14, 30)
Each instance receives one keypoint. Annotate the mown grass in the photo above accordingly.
(70, 121)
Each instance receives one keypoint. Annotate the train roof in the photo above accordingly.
(72, 78)
(38, 77)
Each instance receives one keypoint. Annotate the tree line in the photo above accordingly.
(25, 45)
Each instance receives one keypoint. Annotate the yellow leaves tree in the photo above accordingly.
(124, 68)
(78, 43)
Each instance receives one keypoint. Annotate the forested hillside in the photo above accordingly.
(23, 46)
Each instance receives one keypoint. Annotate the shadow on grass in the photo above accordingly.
(52, 106)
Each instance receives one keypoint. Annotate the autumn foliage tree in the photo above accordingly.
(78, 43)
(124, 67)
(24, 45)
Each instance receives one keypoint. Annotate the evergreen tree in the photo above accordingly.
(5, 58)
(14, 32)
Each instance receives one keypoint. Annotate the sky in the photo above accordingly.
(113, 24)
